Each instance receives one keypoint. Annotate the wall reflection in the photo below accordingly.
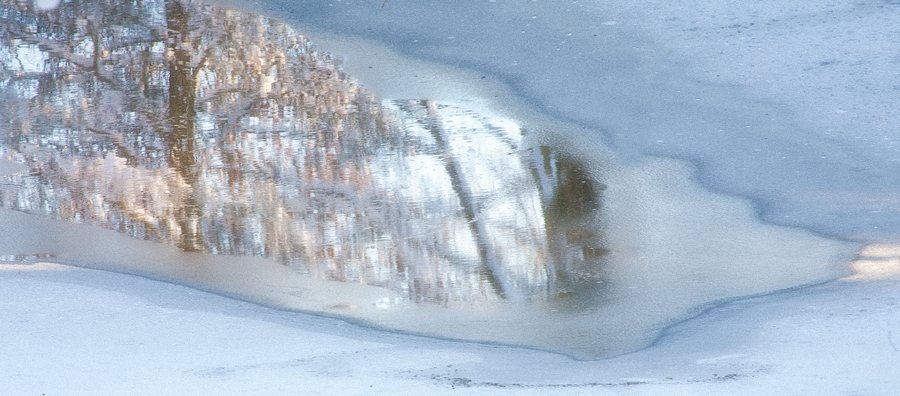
(228, 133)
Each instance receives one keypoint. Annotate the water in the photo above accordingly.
(224, 151)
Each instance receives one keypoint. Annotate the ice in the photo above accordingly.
(467, 217)
(708, 123)
(790, 104)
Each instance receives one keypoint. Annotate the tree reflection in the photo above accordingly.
(179, 138)
(225, 132)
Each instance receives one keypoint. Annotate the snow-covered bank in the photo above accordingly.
(70, 331)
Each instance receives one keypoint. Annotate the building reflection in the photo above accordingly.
(228, 133)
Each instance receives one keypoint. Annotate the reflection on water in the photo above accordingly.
(224, 132)
(279, 180)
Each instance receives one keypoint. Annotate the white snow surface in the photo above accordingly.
(73, 331)
(791, 104)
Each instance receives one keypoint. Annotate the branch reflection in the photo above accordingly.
(228, 133)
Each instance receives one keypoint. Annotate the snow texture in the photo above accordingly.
(73, 331)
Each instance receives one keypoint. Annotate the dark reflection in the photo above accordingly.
(227, 133)
(182, 103)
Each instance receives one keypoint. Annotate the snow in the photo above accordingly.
(77, 331)
(791, 105)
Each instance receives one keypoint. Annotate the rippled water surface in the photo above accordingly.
(255, 167)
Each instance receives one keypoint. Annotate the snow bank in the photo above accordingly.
(84, 332)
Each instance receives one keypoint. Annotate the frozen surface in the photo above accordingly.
(790, 103)
(84, 332)
(269, 174)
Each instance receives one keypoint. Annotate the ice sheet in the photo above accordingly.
(791, 104)
(448, 206)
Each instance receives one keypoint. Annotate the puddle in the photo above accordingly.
(228, 153)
